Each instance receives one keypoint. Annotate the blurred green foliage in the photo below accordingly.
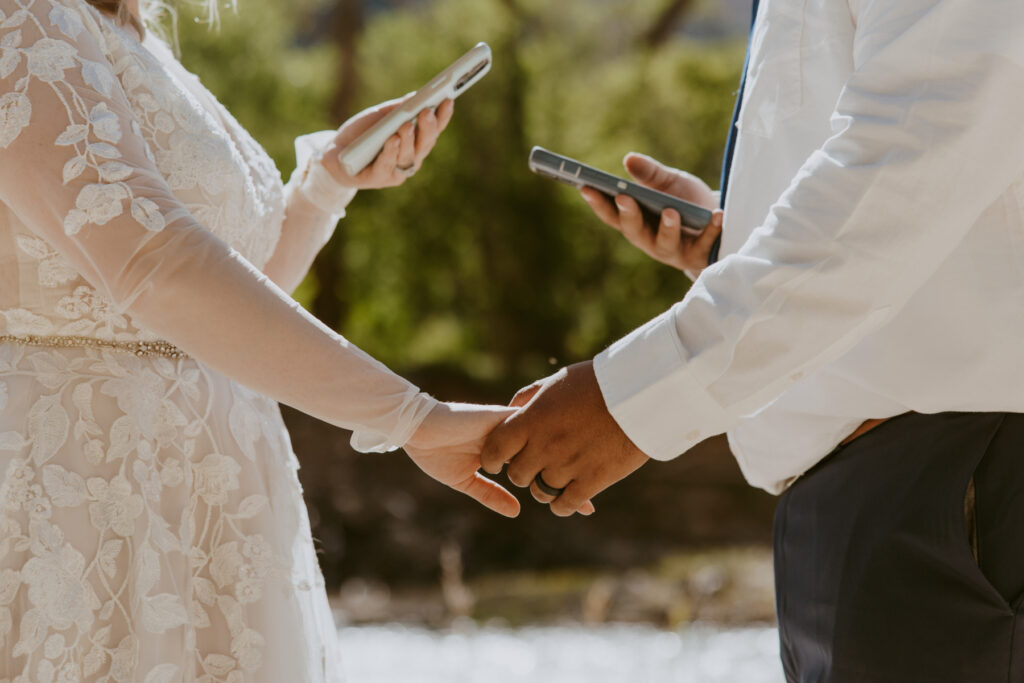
(255, 62)
(477, 266)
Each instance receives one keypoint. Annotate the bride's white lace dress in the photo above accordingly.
(151, 522)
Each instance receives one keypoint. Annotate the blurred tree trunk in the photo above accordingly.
(331, 301)
(518, 218)
(666, 22)
(347, 28)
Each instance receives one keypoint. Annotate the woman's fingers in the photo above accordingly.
(407, 147)
(490, 494)
(361, 122)
(444, 114)
(524, 395)
(380, 172)
(403, 153)
(430, 123)
(427, 131)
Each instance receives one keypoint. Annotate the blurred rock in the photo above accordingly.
(726, 587)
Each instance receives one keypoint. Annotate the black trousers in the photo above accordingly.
(880, 574)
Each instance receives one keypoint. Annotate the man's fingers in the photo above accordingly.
(631, 222)
(573, 498)
(649, 172)
(501, 445)
(490, 494)
(712, 231)
(667, 241)
(602, 206)
(524, 466)
(540, 496)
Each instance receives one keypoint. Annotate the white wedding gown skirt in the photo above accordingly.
(152, 514)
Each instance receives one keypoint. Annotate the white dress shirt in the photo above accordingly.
(872, 260)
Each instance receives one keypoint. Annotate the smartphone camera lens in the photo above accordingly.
(468, 77)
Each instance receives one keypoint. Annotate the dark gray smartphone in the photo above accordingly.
(572, 172)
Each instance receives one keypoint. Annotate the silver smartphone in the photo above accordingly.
(450, 83)
(652, 202)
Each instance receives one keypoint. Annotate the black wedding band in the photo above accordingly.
(547, 488)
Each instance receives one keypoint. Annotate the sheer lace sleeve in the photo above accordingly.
(315, 202)
(75, 170)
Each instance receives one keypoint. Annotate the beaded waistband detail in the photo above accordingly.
(139, 348)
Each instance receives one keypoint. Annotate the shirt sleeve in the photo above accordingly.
(75, 171)
(927, 135)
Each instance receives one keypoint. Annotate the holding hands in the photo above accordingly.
(563, 444)
(558, 439)
(447, 446)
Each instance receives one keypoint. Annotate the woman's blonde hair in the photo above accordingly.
(157, 13)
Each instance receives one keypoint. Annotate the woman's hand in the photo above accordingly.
(447, 447)
(667, 242)
(402, 154)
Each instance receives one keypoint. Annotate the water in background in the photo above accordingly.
(607, 654)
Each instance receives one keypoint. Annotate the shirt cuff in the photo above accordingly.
(652, 394)
(314, 181)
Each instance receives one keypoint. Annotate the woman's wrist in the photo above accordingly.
(312, 179)
(430, 429)
(323, 190)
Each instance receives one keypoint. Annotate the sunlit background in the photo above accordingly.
(477, 277)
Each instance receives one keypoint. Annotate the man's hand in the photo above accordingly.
(402, 154)
(565, 434)
(667, 242)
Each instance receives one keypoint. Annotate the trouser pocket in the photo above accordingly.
(971, 518)
(994, 509)
(876, 573)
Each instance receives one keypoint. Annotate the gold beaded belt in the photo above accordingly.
(139, 348)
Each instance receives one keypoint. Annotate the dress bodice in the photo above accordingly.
(215, 169)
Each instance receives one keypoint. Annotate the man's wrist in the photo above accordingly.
(653, 396)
